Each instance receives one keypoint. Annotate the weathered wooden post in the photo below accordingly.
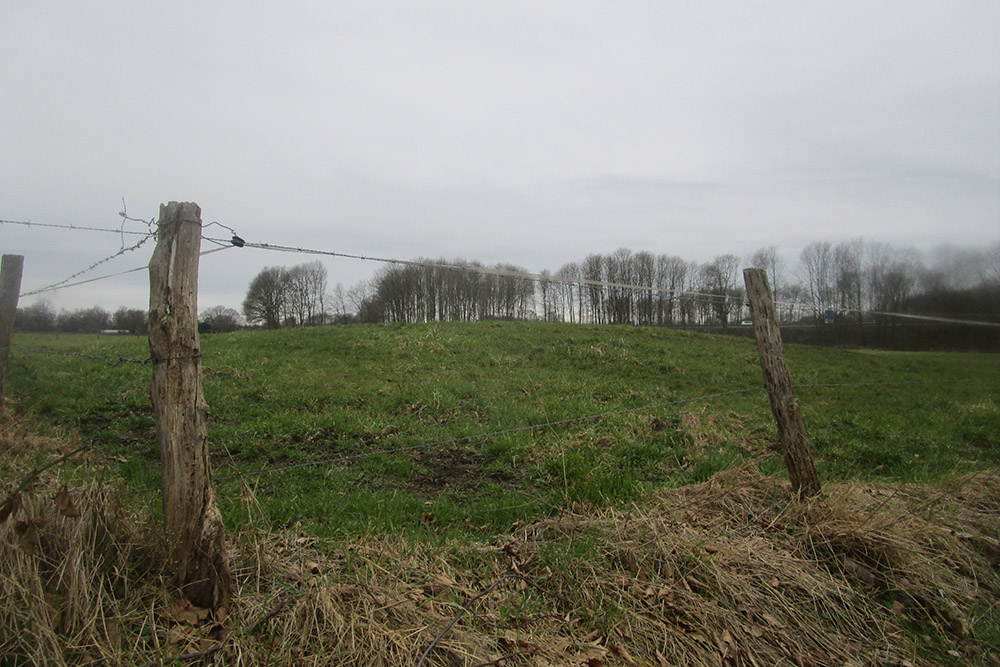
(193, 523)
(784, 405)
(10, 288)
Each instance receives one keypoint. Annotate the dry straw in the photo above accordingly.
(730, 572)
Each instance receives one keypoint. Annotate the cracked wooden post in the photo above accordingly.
(11, 267)
(784, 405)
(193, 523)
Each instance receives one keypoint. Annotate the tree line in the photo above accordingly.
(849, 282)
(844, 282)
(42, 318)
(278, 296)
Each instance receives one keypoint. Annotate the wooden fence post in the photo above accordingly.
(784, 405)
(10, 288)
(193, 523)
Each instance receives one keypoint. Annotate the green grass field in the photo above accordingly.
(424, 465)
(451, 428)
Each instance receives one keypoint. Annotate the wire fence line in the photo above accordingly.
(111, 360)
(105, 277)
(238, 242)
(78, 228)
(124, 249)
(65, 281)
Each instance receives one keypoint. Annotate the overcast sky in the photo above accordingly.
(531, 133)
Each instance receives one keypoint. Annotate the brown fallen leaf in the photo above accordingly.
(64, 501)
(10, 506)
(186, 613)
(620, 651)
(432, 590)
(772, 621)
(859, 571)
(728, 646)
(27, 534)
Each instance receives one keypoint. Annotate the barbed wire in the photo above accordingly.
(237, 241)
(110, 360)
(65, 281)
(76, 228)
(106, 277)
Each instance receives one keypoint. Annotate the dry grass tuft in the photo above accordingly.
(730, 572)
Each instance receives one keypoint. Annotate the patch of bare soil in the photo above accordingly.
(453, 470)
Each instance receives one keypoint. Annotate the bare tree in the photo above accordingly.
(133, 320)
(572, 291)
(38, 317)
(219, 319)
(720, 278)
(991, 272)
(848, 279)
(891, 275)
(816, 271)
(670, 274)
(773, 264)
(265, 301)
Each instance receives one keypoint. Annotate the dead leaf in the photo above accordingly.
(773, 622)
(64, 501)
(620, 651)
(218, 632)
(176, 637)
(186, 613)
(728, 645)
(113, 632)
(10, 506)
(27, 534)
(432, 590)
(859, 571)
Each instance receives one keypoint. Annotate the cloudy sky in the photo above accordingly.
(526, 132)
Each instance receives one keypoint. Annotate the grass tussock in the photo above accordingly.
(733, 571)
